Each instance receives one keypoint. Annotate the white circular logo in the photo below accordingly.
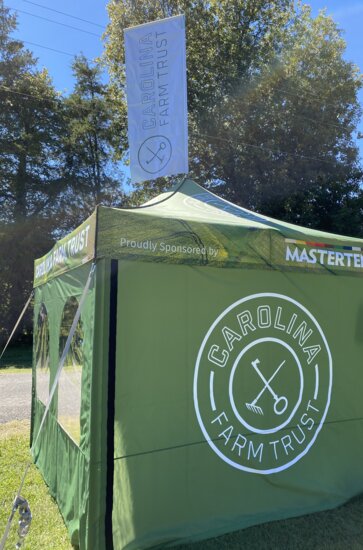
(262, 383)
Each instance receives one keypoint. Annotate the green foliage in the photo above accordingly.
(20, 243)
(272, 105)
(17, 359)
(332, 205)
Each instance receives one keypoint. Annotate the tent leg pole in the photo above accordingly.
(111, 402)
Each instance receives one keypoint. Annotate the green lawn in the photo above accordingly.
(338, 529)
(47, 530)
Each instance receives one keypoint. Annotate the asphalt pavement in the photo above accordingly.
(15, 396)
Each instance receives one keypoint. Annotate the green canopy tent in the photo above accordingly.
(214, 380)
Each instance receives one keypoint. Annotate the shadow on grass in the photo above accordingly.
(337, 529)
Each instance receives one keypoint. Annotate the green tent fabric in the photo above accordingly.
(214, 380)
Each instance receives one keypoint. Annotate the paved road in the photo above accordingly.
(15, 396)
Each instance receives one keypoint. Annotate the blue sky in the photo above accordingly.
(40, 34)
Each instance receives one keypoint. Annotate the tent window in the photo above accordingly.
(42, 355)
(70, 381)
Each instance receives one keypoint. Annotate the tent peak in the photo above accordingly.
(190, 201)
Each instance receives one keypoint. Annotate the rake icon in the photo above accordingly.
(280, 403)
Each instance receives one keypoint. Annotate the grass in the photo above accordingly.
(338, 529)
(47, 529)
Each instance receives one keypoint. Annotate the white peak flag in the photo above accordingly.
(157, 99)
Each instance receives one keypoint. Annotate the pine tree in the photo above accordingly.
(31, 183)
(90, 162)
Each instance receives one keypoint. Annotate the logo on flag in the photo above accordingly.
(155, 154)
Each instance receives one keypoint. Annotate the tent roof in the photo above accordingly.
(191, 202)
(189, 224)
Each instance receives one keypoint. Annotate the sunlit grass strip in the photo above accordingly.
(14, 370)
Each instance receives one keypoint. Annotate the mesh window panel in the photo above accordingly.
(42, 355)
(69, 387)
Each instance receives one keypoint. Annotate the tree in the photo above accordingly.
(90, 162)
(31, 127)
(272, 103)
